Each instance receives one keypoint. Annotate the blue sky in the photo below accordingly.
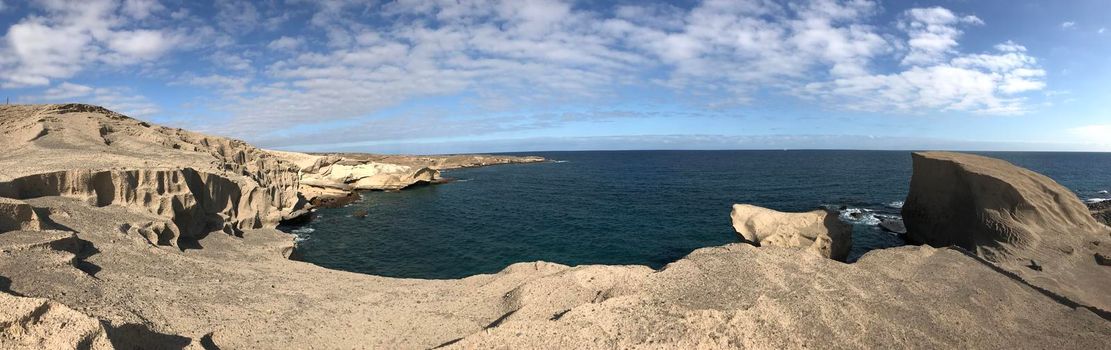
(440, 76)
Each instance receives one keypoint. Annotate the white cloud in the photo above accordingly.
(140, 44)
(141, 9)
(933, 34)
(983, 83)
(3, 6)
(66, 90)
(72, 35)
(1101, 30)
(285, 43)
(1068, 25)
(503, 56)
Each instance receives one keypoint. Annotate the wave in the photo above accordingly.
(894, 205)
(559, 161)
(301, 234)
(858, 216)
(1096, 200)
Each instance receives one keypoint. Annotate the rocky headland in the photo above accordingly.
(334, 179)
(115, 233)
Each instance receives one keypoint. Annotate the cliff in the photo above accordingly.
(199, 183)
(93, 196)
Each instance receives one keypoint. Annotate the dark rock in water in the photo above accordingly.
(1101, 211)
(893, 225)
(361, 213)
(335, 202)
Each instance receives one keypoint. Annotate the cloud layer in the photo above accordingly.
(275, 66)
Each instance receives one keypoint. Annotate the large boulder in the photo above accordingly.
(1013, 218)
(815, 231)
(990, 206)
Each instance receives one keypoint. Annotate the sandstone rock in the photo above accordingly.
(198, 182)
(815, 231)
(329, 178)
(990, 206)
(35, 323)
(1009, 216)
(17, 215)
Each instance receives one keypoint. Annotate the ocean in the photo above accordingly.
(626, 207)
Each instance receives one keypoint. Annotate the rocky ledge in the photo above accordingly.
(334, 179)
(138, 236)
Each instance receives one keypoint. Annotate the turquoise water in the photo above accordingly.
(624, 207)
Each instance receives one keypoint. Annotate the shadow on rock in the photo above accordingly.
(48, 223)
(137, 336)
(81, 250)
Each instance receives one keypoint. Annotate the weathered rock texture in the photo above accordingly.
(326, 177)
(36, 323)
(93, 252)
(200, 183)
(1101, 211)
(17, 215)
(1019, 220)
(816, 231)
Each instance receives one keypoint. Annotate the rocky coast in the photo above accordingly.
(116, 233)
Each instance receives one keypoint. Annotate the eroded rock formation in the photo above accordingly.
(93, 263)
(816, 231)
(324, 177)
(17, 215)
(198, 182)
(1019, 220)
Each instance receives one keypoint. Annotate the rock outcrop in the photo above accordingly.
(1014, 218)
(324, 177)
(442, 162)
(36, 323)
(200, 183)
(17, 215)
(816, 231)
(1101, 211)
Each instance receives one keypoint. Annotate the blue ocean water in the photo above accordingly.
(625, 207)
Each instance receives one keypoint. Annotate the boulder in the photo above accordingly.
(893, 225)
(1013, 218)
(815, 231)
(990, 206)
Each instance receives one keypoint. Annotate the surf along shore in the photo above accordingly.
(116, 233)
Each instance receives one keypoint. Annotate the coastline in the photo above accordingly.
(121, 234)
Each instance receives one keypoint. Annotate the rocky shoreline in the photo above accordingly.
(115, 233)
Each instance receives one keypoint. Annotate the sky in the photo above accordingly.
(454, 76)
